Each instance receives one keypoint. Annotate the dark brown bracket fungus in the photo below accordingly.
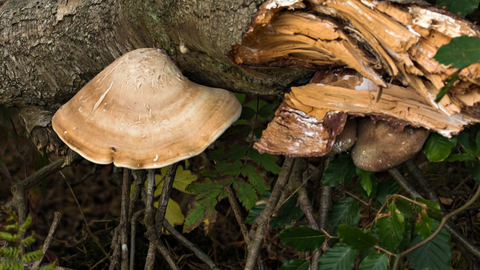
(141, 112)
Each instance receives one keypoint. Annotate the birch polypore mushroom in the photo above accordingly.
(141, 112)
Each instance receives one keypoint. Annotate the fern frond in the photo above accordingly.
(12, 238)
(11, 265)
(10, 227)
(32, 256)
(29, 240)
(48, 267)
(10, 252)
(26, 224)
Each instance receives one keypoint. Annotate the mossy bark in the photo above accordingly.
(51, 48)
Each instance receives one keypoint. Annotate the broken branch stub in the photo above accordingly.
(391, 47)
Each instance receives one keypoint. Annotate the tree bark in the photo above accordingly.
(51, 48)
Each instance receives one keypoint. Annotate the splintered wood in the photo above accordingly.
(390, 46)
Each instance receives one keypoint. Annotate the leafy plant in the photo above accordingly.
(237, 166)
(14, 256)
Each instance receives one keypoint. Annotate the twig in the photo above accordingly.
(124, 217)
(150, 260)
(139, 184)
(164, 197)
(298, 170)
(184, 241)
(325, 205)
(150, 224)
(237, 210)
(94, 173)
(56, 218)
(262, 219)
(133, 232)
(18, 190)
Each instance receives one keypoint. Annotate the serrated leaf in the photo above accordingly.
(436, 254)
(424, 226)
(340, 170)
(356, 238)
(254, 178)
(200, 211)
(289, 212)
(375, 261)
(438, 148)
(207, 185)
(390, 229)
(295, 264)
(338, 257)
(344, 211)
(229, 168)
(245, 193)
(460, 52)
(303, 238)
(464, 7)
(266, 160)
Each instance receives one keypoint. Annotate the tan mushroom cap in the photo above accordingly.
(141, 112)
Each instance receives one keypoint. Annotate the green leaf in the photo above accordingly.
(339, 257)
(464, 7)
(432, 207)
(460, 52)
(474, 168)
(340, 170)
(290, 211)
(436, 254)
(424, 226)
(295, 264)
(445, 89)
(245, 193)
(390, 229)
(266, 160)
(247, 113)
(344, 211)
(365, 180)
(229, 168)
(386, 188)
(405, 207)
(438, 148)
(254, 178)
(303, 238)
(258, 208)
(256, 104)
(375, 261)
(240, 97)
(356, 238)
(462, 157)
(268, 109)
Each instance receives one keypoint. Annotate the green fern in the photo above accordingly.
(13, 256)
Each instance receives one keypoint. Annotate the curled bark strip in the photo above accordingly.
(294, 133)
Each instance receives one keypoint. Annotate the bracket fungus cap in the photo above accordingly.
(140, 112)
